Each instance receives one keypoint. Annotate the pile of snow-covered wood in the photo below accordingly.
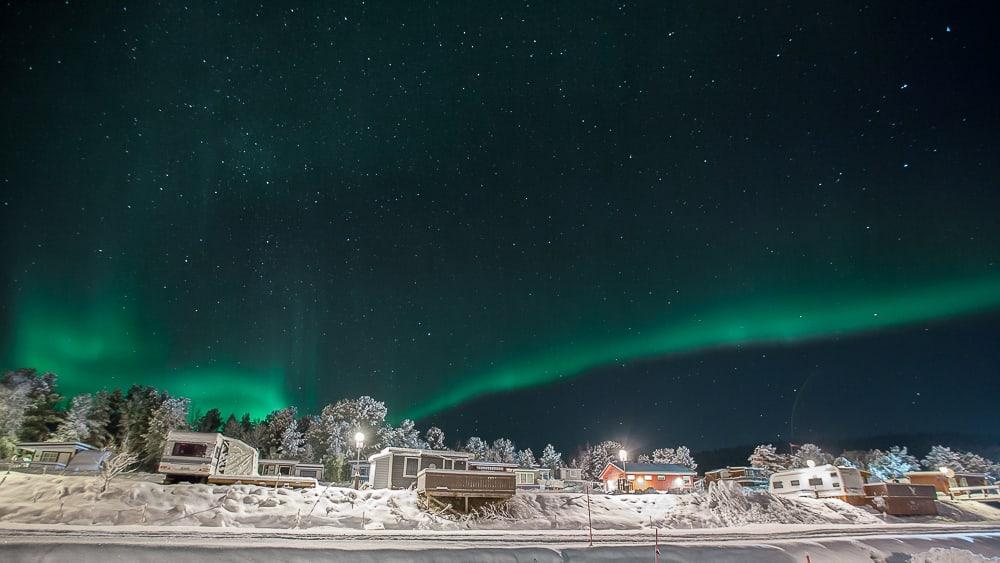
(79, 500)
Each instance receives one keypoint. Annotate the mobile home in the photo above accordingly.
(210, 457)
(822, 481)
(53, 456)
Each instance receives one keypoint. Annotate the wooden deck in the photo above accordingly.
(457, 487)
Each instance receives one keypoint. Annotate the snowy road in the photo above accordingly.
(762, 543)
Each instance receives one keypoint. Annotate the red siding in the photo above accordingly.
(668, 482)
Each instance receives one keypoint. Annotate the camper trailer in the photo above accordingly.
(822, 481)
(210, 457)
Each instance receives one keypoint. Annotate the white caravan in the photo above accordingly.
(823, 481)
(210, 457)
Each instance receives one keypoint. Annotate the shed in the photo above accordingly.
(397, 468)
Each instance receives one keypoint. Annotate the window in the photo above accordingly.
(816, 482)
(795, 483)
(459, 465)
(284, 470)
(308, 473)
(661, 477)
(410, 465)
(836, 485)
(631, 477)
(649, 477)
(447, 464)
(779, 485)
(187, 449)
(49, 457)
(833, 474)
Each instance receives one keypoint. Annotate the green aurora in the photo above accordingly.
(786, 321)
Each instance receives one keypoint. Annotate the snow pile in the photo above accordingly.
(950, 555)
(50, 499)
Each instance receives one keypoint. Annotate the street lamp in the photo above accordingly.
(359, 440)
(623, 455)
(810, 463)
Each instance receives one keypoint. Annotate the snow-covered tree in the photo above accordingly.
(477, 447)
(679, 456)
(33, 399)
(292, 443)
(277, 426)
(525, 458)
(978, 464)
(810, 452)
(502, 450)
(140, 403)
(332, 433)
(891, 464)
(170, 415)
(551, 458)
(78, 425)
(766, 456)
(435, 438)
(232, 427)
(406, 436)
(941, 456)
(596, 458)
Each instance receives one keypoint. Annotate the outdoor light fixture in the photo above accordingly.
(623, 455)
(810, 463)
(359, 439)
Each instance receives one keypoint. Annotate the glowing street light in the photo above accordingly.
(810, 463)
(359, 440)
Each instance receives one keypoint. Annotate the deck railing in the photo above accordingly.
(459, 481)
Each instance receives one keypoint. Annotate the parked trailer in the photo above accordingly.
(210, 457)
(823, 481)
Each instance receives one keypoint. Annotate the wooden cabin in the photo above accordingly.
(957, 485)
(569, 474)
(641, 477)
(462, 489)
(746, 477)
(51, 455)
(397, 468)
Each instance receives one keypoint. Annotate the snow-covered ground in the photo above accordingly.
(60, 512)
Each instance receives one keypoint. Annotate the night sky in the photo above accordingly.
(709, 224)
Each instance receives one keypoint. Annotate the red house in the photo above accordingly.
(636, 477)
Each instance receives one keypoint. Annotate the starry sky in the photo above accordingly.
(660, 223)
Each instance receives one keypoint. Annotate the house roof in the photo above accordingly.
(420, 452)
(43, 445)
(637, 467)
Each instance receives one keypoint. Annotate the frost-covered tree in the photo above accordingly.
(78, 425)
(597, 457)
(331, 434)
(766, 456)
(551, 458)
(477, 447)
(292, 443)
(406, 436)
(891, 464)
(941, 456)
(502, 450)
(36, 416)
(810, 452)
(170, 415)
(277, 426)
(232, 427)
(679, 456)
(525, 458)
(978, 464)
(435, 438)
(140, 403)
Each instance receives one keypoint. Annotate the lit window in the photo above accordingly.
(649, 477)
(631, 477)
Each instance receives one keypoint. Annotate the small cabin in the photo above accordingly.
(821, 481)
(746, 477)
(51, 455)
(289, 467)
(945, 482)
(362, 467)
(642, 477)
(397, 468)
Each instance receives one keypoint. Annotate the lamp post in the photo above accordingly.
(623, 455)
(359, 440)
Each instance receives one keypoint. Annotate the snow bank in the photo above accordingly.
(38, 499)
(949, 555)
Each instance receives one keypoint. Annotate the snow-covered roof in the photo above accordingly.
(42, 445)
(637, 467)
(420, 452)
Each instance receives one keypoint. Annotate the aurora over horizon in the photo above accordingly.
(639, 219)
